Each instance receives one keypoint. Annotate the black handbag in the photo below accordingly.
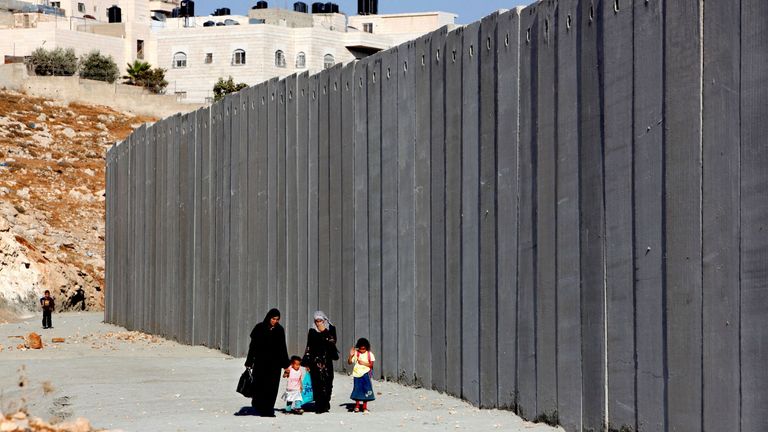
(245, 385)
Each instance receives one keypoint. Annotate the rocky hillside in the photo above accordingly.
(52, 200)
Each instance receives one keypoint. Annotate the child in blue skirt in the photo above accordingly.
(362, 358)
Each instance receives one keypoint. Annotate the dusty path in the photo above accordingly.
(124, 380)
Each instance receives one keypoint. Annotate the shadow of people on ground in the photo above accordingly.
(349, 406)
(247, 411)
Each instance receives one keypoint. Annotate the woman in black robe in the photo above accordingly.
(268, 356)
(318, 357)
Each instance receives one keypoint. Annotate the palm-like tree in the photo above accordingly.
(137, 71)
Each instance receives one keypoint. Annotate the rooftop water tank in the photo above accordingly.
(367, 7)
(209, 24)
(300, 7)
(114, 14)
(187, 8)
(331, 8)
(222, 12)
(261, 5)
(318, 7)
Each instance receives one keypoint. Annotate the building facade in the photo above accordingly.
(197, 51)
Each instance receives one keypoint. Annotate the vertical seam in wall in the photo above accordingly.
(665, 350)
(600, 40)
(517, 223)
(556, 46)
(634, 226)
(701, 210)
(739, 158)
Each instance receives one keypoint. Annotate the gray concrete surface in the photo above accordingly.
(122, 380)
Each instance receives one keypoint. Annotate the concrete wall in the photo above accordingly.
(560, 209)
(73, 89)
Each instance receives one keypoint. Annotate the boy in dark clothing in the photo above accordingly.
(47, 303)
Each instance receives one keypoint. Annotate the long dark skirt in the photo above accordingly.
(322, 386)
(266, 382)
(362, 390)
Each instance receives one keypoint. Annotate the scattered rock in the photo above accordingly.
(69, 133)
(58, 340)
(42, 117)
(34, 341)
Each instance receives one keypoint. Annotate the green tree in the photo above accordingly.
(98, 67)
(136, 72)
(142, 74)
(224, 87)
(56, 62)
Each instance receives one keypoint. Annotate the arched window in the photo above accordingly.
(301, 60)
(328, 61)
(279, 59)
(238, 57)
(179, 60)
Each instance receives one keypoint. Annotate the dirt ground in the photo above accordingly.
(136, 382)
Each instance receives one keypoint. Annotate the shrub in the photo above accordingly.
(224, 87)
(57, 62)
(142, 74)
(98, 67)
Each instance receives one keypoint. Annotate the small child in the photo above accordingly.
(363, 359)
(48, 304)
(292, 396)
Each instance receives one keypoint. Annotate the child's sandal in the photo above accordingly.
(365, 411)
(357, 409)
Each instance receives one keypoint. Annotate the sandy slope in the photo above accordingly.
(52, 197)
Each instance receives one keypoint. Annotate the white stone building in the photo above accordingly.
(197, 51)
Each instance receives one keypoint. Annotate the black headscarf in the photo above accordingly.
(271, 314)
(267, 346)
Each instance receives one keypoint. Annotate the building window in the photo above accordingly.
(81, 7)
(368, 27)
(301, 60)
(140, 49)
(179, 60)
(238, 57)
(279, 59)
(180, 95)
(208, 58)
(328, 61)
(56, 5)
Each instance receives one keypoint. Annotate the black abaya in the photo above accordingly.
(319, 356)
(268, 356)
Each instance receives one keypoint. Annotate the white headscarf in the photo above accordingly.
(320, 315)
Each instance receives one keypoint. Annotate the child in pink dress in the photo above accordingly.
(292, 396)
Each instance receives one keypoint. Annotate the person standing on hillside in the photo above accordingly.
(267, 356)
(48, 305)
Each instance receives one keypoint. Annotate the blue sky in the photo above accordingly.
(468, 10)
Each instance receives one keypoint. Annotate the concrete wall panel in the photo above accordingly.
(526, 306)
(435, 61)
(453, 110)
(389, 228)
(648, 212)
(720, 216)
(682, 213)
(507, 120)
(617, 85)
(569, 382)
